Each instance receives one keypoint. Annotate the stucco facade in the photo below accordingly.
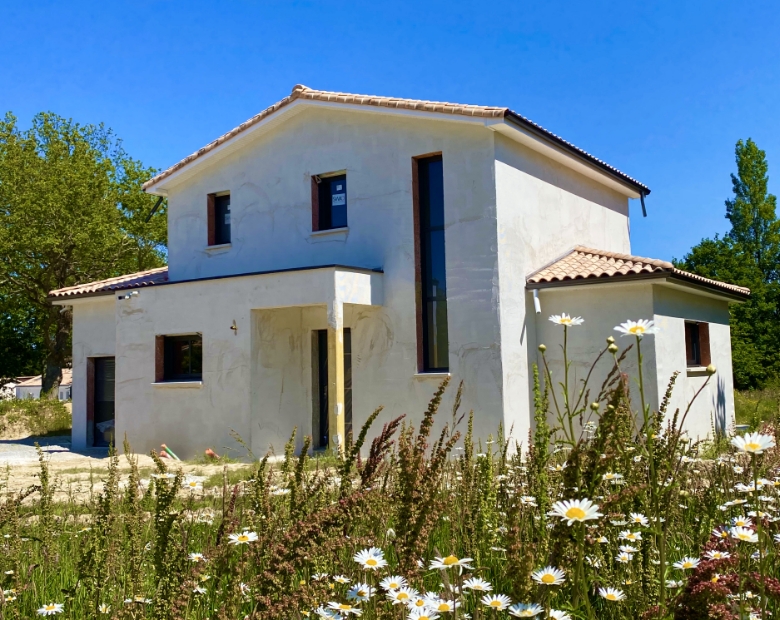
(511, 207)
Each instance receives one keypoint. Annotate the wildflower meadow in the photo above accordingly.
(607, 511)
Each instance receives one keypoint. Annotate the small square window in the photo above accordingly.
(183, 358)
(697, 344)
(330, 208)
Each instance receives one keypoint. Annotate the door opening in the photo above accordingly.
(104, 405)
(320, 383)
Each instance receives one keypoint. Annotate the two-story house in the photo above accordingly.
(340, 252)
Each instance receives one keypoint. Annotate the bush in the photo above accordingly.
(36, 417)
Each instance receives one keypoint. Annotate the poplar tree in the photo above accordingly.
(748, 255)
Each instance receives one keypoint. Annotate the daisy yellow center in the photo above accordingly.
(362, 593)
(744, 536)
(394, 586)
(611, 597)
(575, 512)
(631, 537)
(243, 538)
(714, 579)
(752, 446)
(495, 603)
(450, 560)
(687, 565)
(371, 562)
(637, 329)
(548, 578)
(345, 607)
(565, 321)
(50, 607)
(402, 596)
(443, 607)
(419, 603)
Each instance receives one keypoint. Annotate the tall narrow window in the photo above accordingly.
(330, 202)
(218, 219)
(432, 296)
(347, 381)
(222, 219)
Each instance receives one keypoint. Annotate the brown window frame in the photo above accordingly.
(211, 218)
(697, 344)
(162, 369)
(418, 264)
(317, 208)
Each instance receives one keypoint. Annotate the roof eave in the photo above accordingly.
(559, 150)
(712, 289)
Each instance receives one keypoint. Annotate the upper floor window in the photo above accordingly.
(697, 344)
(218, 219)
(433, 347)
(329, 202)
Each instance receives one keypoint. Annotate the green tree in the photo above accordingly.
(71, 211)
(748, 255)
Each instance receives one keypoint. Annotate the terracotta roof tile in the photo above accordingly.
(589, 264)
(457, 109)
(120, 283)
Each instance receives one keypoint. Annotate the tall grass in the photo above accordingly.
(457, 518)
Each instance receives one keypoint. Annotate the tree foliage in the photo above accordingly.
(748, 255)
(71, 211)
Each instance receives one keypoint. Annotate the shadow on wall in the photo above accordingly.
(719, 421)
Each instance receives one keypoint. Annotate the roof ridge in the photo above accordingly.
(589, 264)
(657, 262)
(301, 91)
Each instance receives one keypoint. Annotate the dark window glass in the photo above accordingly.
(183, 358)
(222, 219)
(322, 369)
(430, 177)
(333, 202)
(347, 381)
(692, 344)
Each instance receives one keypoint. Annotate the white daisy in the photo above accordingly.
(523, 610)
(371, 559)
(451, 561)
(566, 320)
(718, 555)
(403, 595)
(576, 510)
(744, 534)
(360, 592)
(686, 563)
(611, 594)
(753, 443)
(559, 614)
(637, 328)
(51, 609)
(549, 576)
(244, 538)
(392, 583)
(480, 585)
(499, 602)
(344, 608)
(638, 518)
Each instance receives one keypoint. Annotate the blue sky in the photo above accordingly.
(661, 90)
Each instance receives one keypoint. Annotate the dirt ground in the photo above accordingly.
(78, 475)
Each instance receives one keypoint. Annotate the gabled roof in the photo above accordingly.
(120, 283)
(585, 265)
(300, 92)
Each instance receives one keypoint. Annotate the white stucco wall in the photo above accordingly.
(544, 210)
(714, 407)
(603, 306)
(269, 181)
(94, 335)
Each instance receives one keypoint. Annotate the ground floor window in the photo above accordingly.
(697, 343)
(182, 358)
